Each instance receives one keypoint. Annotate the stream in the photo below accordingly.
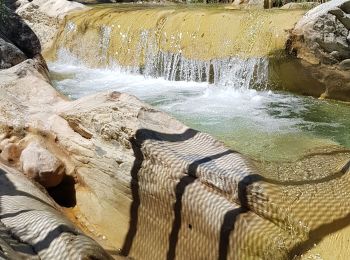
(264, 124)
(215, 80)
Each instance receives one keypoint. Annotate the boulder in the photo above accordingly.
(41, 165)
(345, 64)
(44, 16)
(19, 33)
(321, 40)
(10, 55)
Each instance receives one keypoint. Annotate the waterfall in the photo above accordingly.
(231, 71)
(177, 45)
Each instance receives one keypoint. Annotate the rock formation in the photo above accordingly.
(144, 182)
(17, 41)
(10, 55)
(321, 41)
(39, 164)
(44, 16)
(32, 225)
(150, 184)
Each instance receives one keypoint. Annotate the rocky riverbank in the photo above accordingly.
(143, 184)
(321, 42)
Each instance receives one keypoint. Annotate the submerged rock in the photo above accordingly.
(148, 46)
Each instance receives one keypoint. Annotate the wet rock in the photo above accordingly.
(41, 165)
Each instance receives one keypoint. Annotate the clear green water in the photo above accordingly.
(263, 124)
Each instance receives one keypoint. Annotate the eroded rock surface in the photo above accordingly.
(321, 39)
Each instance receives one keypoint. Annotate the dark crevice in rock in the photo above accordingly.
(64, 194)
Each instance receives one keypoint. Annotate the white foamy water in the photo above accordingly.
(202, 100)
(259, 123)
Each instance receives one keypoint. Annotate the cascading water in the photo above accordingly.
(233, 71)
(178, 45)
(186, 64)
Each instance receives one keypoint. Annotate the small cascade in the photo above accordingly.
(199, 48)
(232, 71)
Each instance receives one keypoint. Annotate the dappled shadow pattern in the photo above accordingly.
(191, 172)
(31, 227)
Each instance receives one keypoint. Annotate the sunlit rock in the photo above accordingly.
(320, 41)
(44, 16)
(10, 152)
(40, 165)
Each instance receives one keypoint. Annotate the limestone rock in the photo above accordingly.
(44, 16)
(320, 39)
(11, 152)
(345, 64)
(52, 8)
(251, 3)
(150, 184)
(42, 166)
(324, 30)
